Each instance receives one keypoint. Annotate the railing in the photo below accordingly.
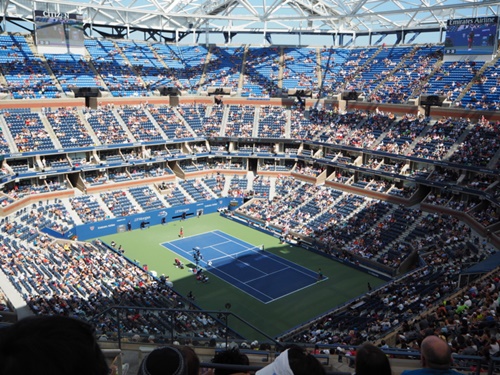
(223, 320)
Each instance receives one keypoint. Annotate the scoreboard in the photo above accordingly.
(471, 36)
(58, 32)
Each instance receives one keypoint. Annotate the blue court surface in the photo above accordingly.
(263, 275)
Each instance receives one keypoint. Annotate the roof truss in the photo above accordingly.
(324, 16)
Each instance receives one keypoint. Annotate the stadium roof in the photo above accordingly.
(358, 17)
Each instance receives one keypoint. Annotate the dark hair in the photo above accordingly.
(371, 360)
(230, 357)
(170, 360)
(192, 359)
(50, 345)
(303, 363)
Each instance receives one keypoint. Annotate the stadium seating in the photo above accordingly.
(194, 115)
(185, 63)
(69, 128)
(72, 71)
(479, 146)
(88, 208)
(240, 121)
(106, 126)
(146, 64)
(406, 76)
(272, 122)
(299, 71)
(332, 61)
(170, 123)
(216, 184)
(363, 151)
(127, 68)
(26, 74)
(261, 72)
(113, 67)
(452, 77)
(196, 190)
(147, 198)
(224, 67)
(138, 122)
(28, 131)
(437, 142)
(483, 94)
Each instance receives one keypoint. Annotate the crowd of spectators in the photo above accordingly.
(398, 305)
(240, 121)
(27, 131)
(436, 143)
(106, 126)
(300, 69)
(480, 145)
(223, 69)
(88, 208)
(212, 124)
(76, 293)
(308, 170)
(118, 75)
(69, 127)
(399, 138)
(409, 135)
(261, 72)
(415, 68)
(467, 322)
(379, 321)
(378, 231)
(26, 75)
(74, 279)
(169, 122)
(118, 203)
(138, 122)
(384, 75)
(272, 122)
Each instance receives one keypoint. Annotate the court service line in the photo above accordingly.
(241, 282)
(275, 258)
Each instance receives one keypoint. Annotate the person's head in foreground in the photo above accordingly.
(50, 345)
(435, 353)
(435, 357)
(293, 361)
(170, 360)
(230, 357)
(371, 360)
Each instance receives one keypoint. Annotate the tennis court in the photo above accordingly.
(343, 283)
(260, 274)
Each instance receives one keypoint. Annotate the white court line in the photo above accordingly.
(273, 257)
(173, 245)
(241, 282)
(294, 291)
(217, 244)
(276, 259)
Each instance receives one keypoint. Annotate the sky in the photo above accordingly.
(277, 39)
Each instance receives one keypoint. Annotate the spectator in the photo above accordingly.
(50, 345)
(170, 360)
(293, 361)
(371, 360)
(233, 357)
(435, 357)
